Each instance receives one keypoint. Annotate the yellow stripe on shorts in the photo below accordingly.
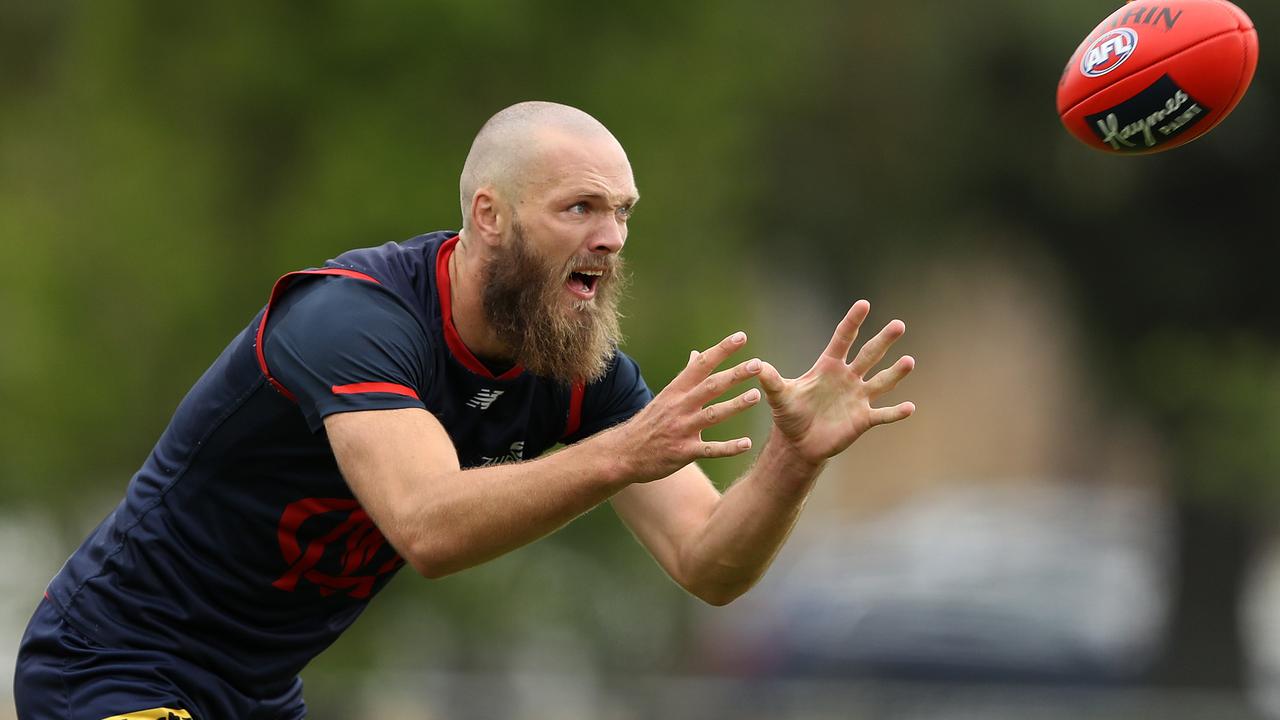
(153, 714)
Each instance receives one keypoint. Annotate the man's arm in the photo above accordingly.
(403, 469)
(718, 547)
(714, 546)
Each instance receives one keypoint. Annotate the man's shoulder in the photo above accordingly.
(417, 250)
(407, 269)
(339, 296)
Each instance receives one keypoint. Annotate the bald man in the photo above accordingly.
(392, 407)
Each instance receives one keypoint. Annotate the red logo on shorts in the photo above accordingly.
(360, 542)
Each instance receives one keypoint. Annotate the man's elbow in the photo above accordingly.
(430, 569)
(720, 594)
(432, 560)
(718, 599)
(715, 583)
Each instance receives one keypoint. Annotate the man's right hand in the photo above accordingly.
(667, 434)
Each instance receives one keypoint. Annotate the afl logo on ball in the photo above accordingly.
(1108, 52)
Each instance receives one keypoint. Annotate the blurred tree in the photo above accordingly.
(161, 164)
(894, 135)
(1180, 296)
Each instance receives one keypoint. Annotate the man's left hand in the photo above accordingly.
(822, 412)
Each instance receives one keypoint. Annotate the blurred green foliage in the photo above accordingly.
(162, 163)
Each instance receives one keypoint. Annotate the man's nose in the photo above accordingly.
(609, 237)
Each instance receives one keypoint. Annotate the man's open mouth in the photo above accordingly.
(582, 283)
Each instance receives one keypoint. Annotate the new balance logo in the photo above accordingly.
(516, 454)
(484, 399)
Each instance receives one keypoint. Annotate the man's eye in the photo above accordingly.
(578, 208)
(624, 212)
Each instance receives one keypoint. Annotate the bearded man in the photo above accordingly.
(390, 407)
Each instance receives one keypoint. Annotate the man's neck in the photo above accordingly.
(465, 288)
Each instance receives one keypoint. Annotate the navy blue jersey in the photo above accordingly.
(238, 546)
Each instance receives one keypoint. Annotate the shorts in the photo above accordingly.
(64, 675)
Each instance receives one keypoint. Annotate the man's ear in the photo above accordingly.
(489, 215)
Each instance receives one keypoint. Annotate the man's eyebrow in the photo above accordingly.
(596, 195)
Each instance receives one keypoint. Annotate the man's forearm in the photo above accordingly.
(467, 517)
(749, 524)
(441, 519)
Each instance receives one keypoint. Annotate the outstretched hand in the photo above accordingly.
(824, 410)
(667, 434)
(818, 414)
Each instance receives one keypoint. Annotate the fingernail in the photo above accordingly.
(738, 337)
(753, 366)
(753, 395)
(693, 355)
(745, 443)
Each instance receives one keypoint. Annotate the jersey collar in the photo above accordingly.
(459, 349)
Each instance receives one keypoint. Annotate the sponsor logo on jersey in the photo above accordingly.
(1108, 52)
(332, 544)
(515, 454)
(484, 399)
(1152, 117)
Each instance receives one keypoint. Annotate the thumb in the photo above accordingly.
(772, 382)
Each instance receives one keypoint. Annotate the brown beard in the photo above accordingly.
(525, 305)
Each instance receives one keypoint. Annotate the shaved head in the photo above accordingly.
(506, 151)
(546, 194)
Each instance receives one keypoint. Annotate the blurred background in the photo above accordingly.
(1079, 522)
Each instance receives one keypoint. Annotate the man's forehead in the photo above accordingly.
(617, 190)
(583, 165)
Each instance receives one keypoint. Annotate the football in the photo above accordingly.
(1156, 75)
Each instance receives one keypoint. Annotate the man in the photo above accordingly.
(387, 409)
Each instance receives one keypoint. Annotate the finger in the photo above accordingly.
(718, 413)
(884, 416)
(725, 379)
(729, 448)
(873, 352)
(772, 382)
(886, 380)
(702, 364)
(847, 331)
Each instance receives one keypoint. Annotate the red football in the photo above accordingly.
(1156, 75)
